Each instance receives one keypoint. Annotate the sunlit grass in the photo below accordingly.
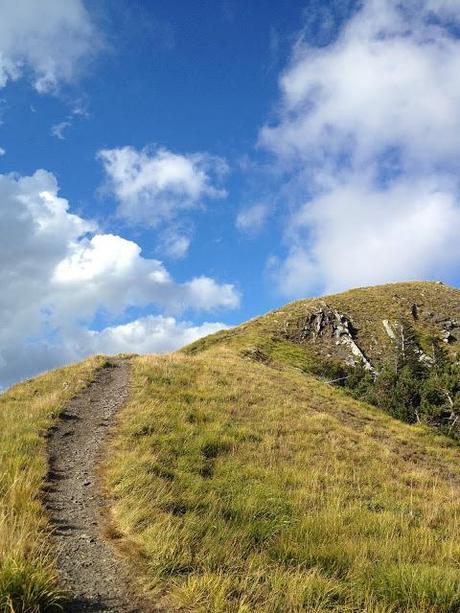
(242, 484)
(239, 487)
(27, 575)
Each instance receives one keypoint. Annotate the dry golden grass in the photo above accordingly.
(27, 410)
(239, 487)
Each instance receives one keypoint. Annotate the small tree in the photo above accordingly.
(408, 387)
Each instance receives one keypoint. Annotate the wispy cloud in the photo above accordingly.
(58, 129)
(174, 242)
(80, 109)
(251, 219)
(78, 112)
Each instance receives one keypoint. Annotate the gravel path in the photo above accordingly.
(95, 577)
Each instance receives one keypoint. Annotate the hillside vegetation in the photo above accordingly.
(290, 335)
(247, 473)
(28, 580)
(242, 482)
(395, 346)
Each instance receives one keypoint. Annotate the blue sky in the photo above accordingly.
(173, 167)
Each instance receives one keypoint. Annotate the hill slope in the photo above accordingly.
(356, 326)
(241, 481)
(242, 488)
(396, 346)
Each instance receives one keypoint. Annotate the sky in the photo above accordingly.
(168, 169)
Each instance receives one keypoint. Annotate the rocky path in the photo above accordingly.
(93, 575)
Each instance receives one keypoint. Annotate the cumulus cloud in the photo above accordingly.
(154, 185)
(108, 271)
(48, 40)
(362, 123)
(364, 236)
(252, 218)
(57, 272)
(152, 334)
(390, 80)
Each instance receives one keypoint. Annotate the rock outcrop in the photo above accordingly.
(450, 330)
(396, 334)
(331, 326)
(389, 329)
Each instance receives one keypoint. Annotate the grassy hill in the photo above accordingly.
(242, 488)
(289, 335)
(242, 481)
(395, 346)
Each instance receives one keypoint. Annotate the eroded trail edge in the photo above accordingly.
(91, 572)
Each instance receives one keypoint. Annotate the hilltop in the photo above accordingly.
(239, 478)
(359, 326)
(396, 346)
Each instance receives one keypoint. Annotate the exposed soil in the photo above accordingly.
(91, 572)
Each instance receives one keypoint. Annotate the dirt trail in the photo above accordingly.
(91, 572)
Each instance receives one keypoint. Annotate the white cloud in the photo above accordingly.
(152, 334)
(252, 219)
(155, 185)
(80, 109)
(174, 243)
(57, 273)
(58, 129)
(2, 151)
(391, 80)
(368, 126)
(445, 9)
(51, 40)
(364, 236)
(109, 272)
